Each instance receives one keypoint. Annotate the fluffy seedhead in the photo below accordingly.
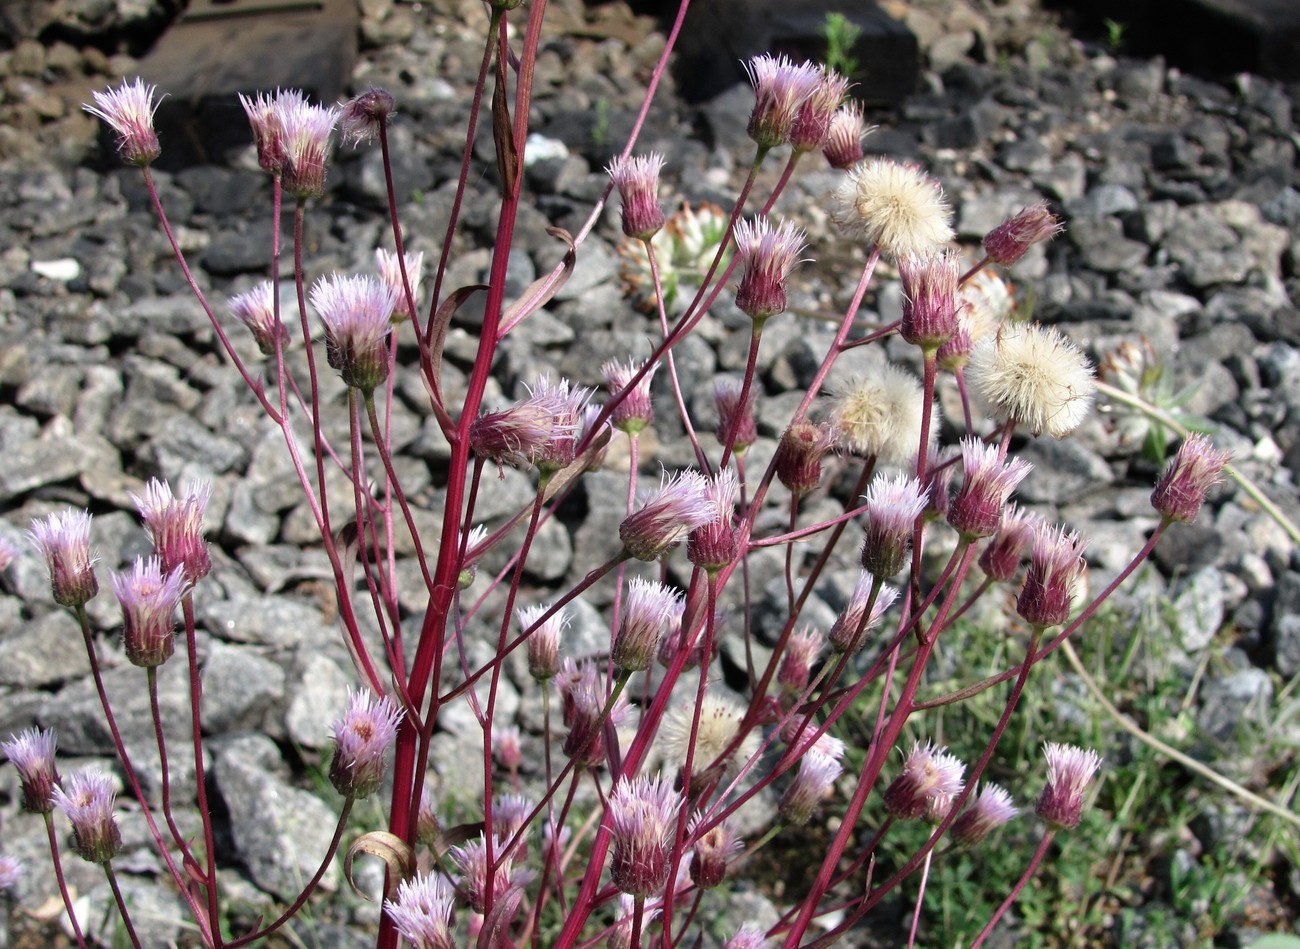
(129, 111)
(1033, 376)
(895, 207)
(637, 181)
(32, 753)
(716, 742)
(878, 414)
(357, 313)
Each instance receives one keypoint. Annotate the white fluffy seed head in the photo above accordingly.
(896, 207)
(1033, 375)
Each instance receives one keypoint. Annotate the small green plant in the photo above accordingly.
(1115, 34)
(841, 34)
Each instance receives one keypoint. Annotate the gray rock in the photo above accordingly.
(1227, 701)
(318, 696)
(57, 455)
(1198, 603)
(242, 691)
(1063, 470)
(1103, 246)
(43, 651)
(279, 621)
(280, 832)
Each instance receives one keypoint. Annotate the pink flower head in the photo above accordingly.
(584, 704)
(675, 640)
(798, 733)
(363, 116)
(939, 468)
(361, 738)
(176, 526)
(32, 753)
(510, 812)
(390, 268)
(64, 541)
(306, 132)
(768, 254)
(928, 772)
(642, 816)
(736, 425)
(976, 511)
(748, 936)
(11, 871)
(506, 748)
(422, 911)
(637, 181)
(264, 112)
(86, 798)
(357, 315)
(1014, 536)
(148, 598)
(812, 123)
(798, 659)
(472, 861)
(129, 110)
(256, 309)
(649, 608)
(817, 776)
(780, 89)
(710, 852)
(1011, 239)
(843, 148)
(542, 430)
(893, 505)
(667, 515)
(428, 829)
(544, 640)
(8, 553)
(849, 633)
(715, 545)
(986, 812)
(1069, 769)
(634, 412)
(930, 302)
(1055, 567)
(1188, 478)
(799, 455)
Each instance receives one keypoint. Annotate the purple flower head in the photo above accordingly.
(149, 598)
(1056, 567)
(542, 430)
(736, 425)
(32, 753)
(509, 814)
(768, 254)
(263, 113)
(643, 816)
(812, 123)
(649, 608)
(849, 633)
(843, 148)
(129, 110)
(799, 455)
(256, 309)
(710, 852)
(64, 541)
(422, 911)
(797, 661)
(985, 812)
(927, 772)
(357, 313)
(1011, 239)
(471, 860)
(634, 412)
(364, 115)
(584, 703)
(780, 89)
(390, 272)
(544, 641)
(86, 798)
(893, 505)
(176, 526)
(667, 515)
(817, 776)
(1015, 535)
(637, 181)
(748, 936)
(976, 511)
(428, 829)
(930, 302)
(1069, 770)
(306, 133)
(11, 871)
(506, 748)
(361, 738)
(715, 545)
(1188, 478)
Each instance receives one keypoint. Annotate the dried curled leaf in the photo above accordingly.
(389, 848)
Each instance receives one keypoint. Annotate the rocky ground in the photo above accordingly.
(1182, 201)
